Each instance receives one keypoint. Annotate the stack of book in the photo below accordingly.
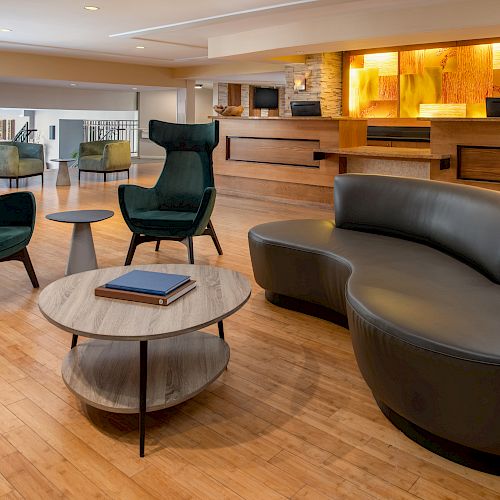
(148, 287)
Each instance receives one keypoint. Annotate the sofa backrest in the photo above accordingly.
(461, 220)
(26, 149)
(93, 148)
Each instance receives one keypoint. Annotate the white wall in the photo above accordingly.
(39, 97)
(156, 105)
(45, 118)
(203, 105)
(14, 114)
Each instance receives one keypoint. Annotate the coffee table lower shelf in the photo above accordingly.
(134, 377)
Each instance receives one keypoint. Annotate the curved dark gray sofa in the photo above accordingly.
(415, 267)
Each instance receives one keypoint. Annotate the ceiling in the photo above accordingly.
(203, 32)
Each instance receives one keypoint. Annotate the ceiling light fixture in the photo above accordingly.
(140, 47)
(72, 84)
(220, 16)
(91, 7)
(134, 88)
(5, 30)
(198, 86)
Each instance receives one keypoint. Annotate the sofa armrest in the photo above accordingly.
(30, 150)
(18, 209)
(205, 210)
(91, 148)
(132, 198)
(116, 156)
(9, 161)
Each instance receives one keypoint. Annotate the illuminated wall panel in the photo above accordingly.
(459, 75)
(417, 89)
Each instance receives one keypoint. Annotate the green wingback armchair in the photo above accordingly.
(21, 159)
(179, 206)
(17, 221)
(104, 157)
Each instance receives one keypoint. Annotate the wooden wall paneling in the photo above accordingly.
(478, 163)
(234, 94)
(273, 151)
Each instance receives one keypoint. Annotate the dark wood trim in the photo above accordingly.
(228, 150)
(342, 164)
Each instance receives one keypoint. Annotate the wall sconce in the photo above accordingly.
(299, 83)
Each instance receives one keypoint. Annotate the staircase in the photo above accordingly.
(24, 134)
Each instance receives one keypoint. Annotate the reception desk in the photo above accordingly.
(273, 157)
(473, 145)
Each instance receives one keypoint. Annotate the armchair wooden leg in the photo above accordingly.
(105, 175)
(211, 231)
(131, 249)
(25, 258)
(190, 249)
(157, 245)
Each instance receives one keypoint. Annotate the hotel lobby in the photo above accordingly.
(251, 250)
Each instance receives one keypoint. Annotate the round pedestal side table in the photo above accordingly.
(143, 357)
(63, 173)
(82, 255)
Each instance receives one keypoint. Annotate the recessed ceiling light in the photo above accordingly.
(198, 86)
(72, 84)
(140, 47)
(5, 30)
(91, 7)
(134, 88)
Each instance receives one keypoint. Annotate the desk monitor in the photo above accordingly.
(493, 107)
(305, 108)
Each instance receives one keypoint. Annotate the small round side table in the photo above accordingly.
(63, 173)
(82, 253)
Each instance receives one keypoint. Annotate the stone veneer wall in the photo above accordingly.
(324, 82)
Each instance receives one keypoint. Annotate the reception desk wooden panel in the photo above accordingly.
(273, 157)
(473, 145)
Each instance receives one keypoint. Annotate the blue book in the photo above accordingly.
(148, 282)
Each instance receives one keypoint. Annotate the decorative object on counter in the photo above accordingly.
(228, 110)
(299, 82)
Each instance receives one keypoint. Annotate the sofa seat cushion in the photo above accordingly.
(162, 219)
(30, 166)
(414, 292)
(13, 239)
(91, 162)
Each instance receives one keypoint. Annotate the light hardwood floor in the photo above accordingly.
(291, 417)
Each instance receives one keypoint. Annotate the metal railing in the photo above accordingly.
(119, 130)
(25, 134)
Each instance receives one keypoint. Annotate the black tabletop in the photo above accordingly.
(81, 216)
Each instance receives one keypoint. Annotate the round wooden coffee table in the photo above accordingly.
(118, 371)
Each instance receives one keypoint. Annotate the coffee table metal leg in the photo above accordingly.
(143, 383)
(82, 253)
(221, 329)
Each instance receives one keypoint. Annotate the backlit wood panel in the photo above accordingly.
(476, 163)
(274, 151)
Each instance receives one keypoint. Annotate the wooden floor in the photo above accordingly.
(291, 418)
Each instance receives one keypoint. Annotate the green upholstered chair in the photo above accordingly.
(21, 159)
(104, 157)
(179, 206)
(17, 221)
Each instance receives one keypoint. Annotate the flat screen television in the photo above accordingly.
(266, 98)
(305, 108)
(493, 107)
